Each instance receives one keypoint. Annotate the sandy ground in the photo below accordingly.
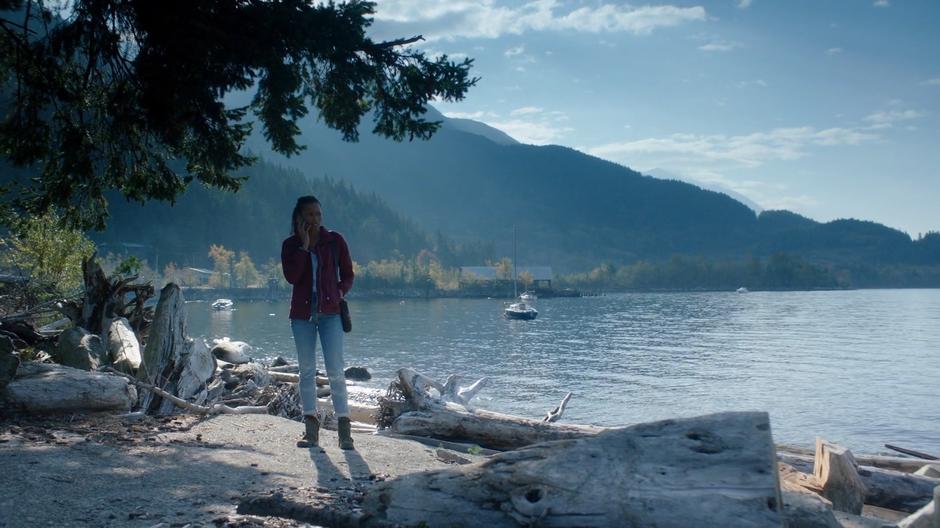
(172, 472)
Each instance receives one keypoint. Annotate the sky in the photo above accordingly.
(827, 108)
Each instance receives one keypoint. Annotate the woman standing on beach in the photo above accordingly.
(316, 262)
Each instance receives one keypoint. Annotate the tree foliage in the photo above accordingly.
(109, 94)
(48, 255)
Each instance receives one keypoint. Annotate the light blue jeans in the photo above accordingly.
(330, 329)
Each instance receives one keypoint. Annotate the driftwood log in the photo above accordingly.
(42, 387)
(896, 463)
(884, 488)
(123, 346)
(715, 470)
(217, 408)
(423, 414)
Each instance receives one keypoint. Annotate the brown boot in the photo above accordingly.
(344, 428)
(311, 432)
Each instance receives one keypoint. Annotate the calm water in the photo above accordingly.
(857, 367)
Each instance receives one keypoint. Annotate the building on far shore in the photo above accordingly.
(487, 279)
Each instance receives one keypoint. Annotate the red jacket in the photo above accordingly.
(295, 262)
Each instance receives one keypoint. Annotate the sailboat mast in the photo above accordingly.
(515, 292)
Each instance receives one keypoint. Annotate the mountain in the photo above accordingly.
(571, 210)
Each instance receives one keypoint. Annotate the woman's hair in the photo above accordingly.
(301, 202)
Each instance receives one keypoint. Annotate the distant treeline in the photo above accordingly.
(780, 271)
(257, 218)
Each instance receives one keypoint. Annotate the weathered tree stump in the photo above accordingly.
(106, 299)
(197, 366)
(716, 470)
(166, 344)
(41, 387)
(836, 471)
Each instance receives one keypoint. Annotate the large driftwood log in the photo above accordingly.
(895, 490)
(166, 344)
(715, 470)
(41, 387)
(422, 414)
(836, 472)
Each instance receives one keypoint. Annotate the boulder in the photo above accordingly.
(358, 374)
(237, 352)
(123, 347)
(77, 348)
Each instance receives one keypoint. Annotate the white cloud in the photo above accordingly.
(931, 82)
(526, 110)
(750, 150)
(511, 52)
(887, 119)
(528, 124)
(478, 115)
(744, 4)
(882, 3)
(833, 51)
(719, 46)
(760, 83)
(451, 19)
(535, 132)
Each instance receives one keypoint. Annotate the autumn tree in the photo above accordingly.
(222, 264)
(246, 274)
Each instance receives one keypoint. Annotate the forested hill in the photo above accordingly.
(257, 218)
(573, 211)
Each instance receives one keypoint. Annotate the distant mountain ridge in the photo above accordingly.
(571, 210)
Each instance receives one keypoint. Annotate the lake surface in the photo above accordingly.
(857, 367)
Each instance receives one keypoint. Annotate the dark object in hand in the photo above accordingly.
(344, 315)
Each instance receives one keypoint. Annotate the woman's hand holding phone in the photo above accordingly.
(304, 233)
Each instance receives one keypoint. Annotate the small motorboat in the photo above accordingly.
(223, 304)
(528, 296)
(742, 289)
(521, 310)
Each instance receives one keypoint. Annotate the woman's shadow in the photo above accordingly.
(329, 475)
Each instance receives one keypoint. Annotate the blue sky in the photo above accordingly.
(827, 108)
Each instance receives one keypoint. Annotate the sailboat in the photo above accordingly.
(521, 309)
